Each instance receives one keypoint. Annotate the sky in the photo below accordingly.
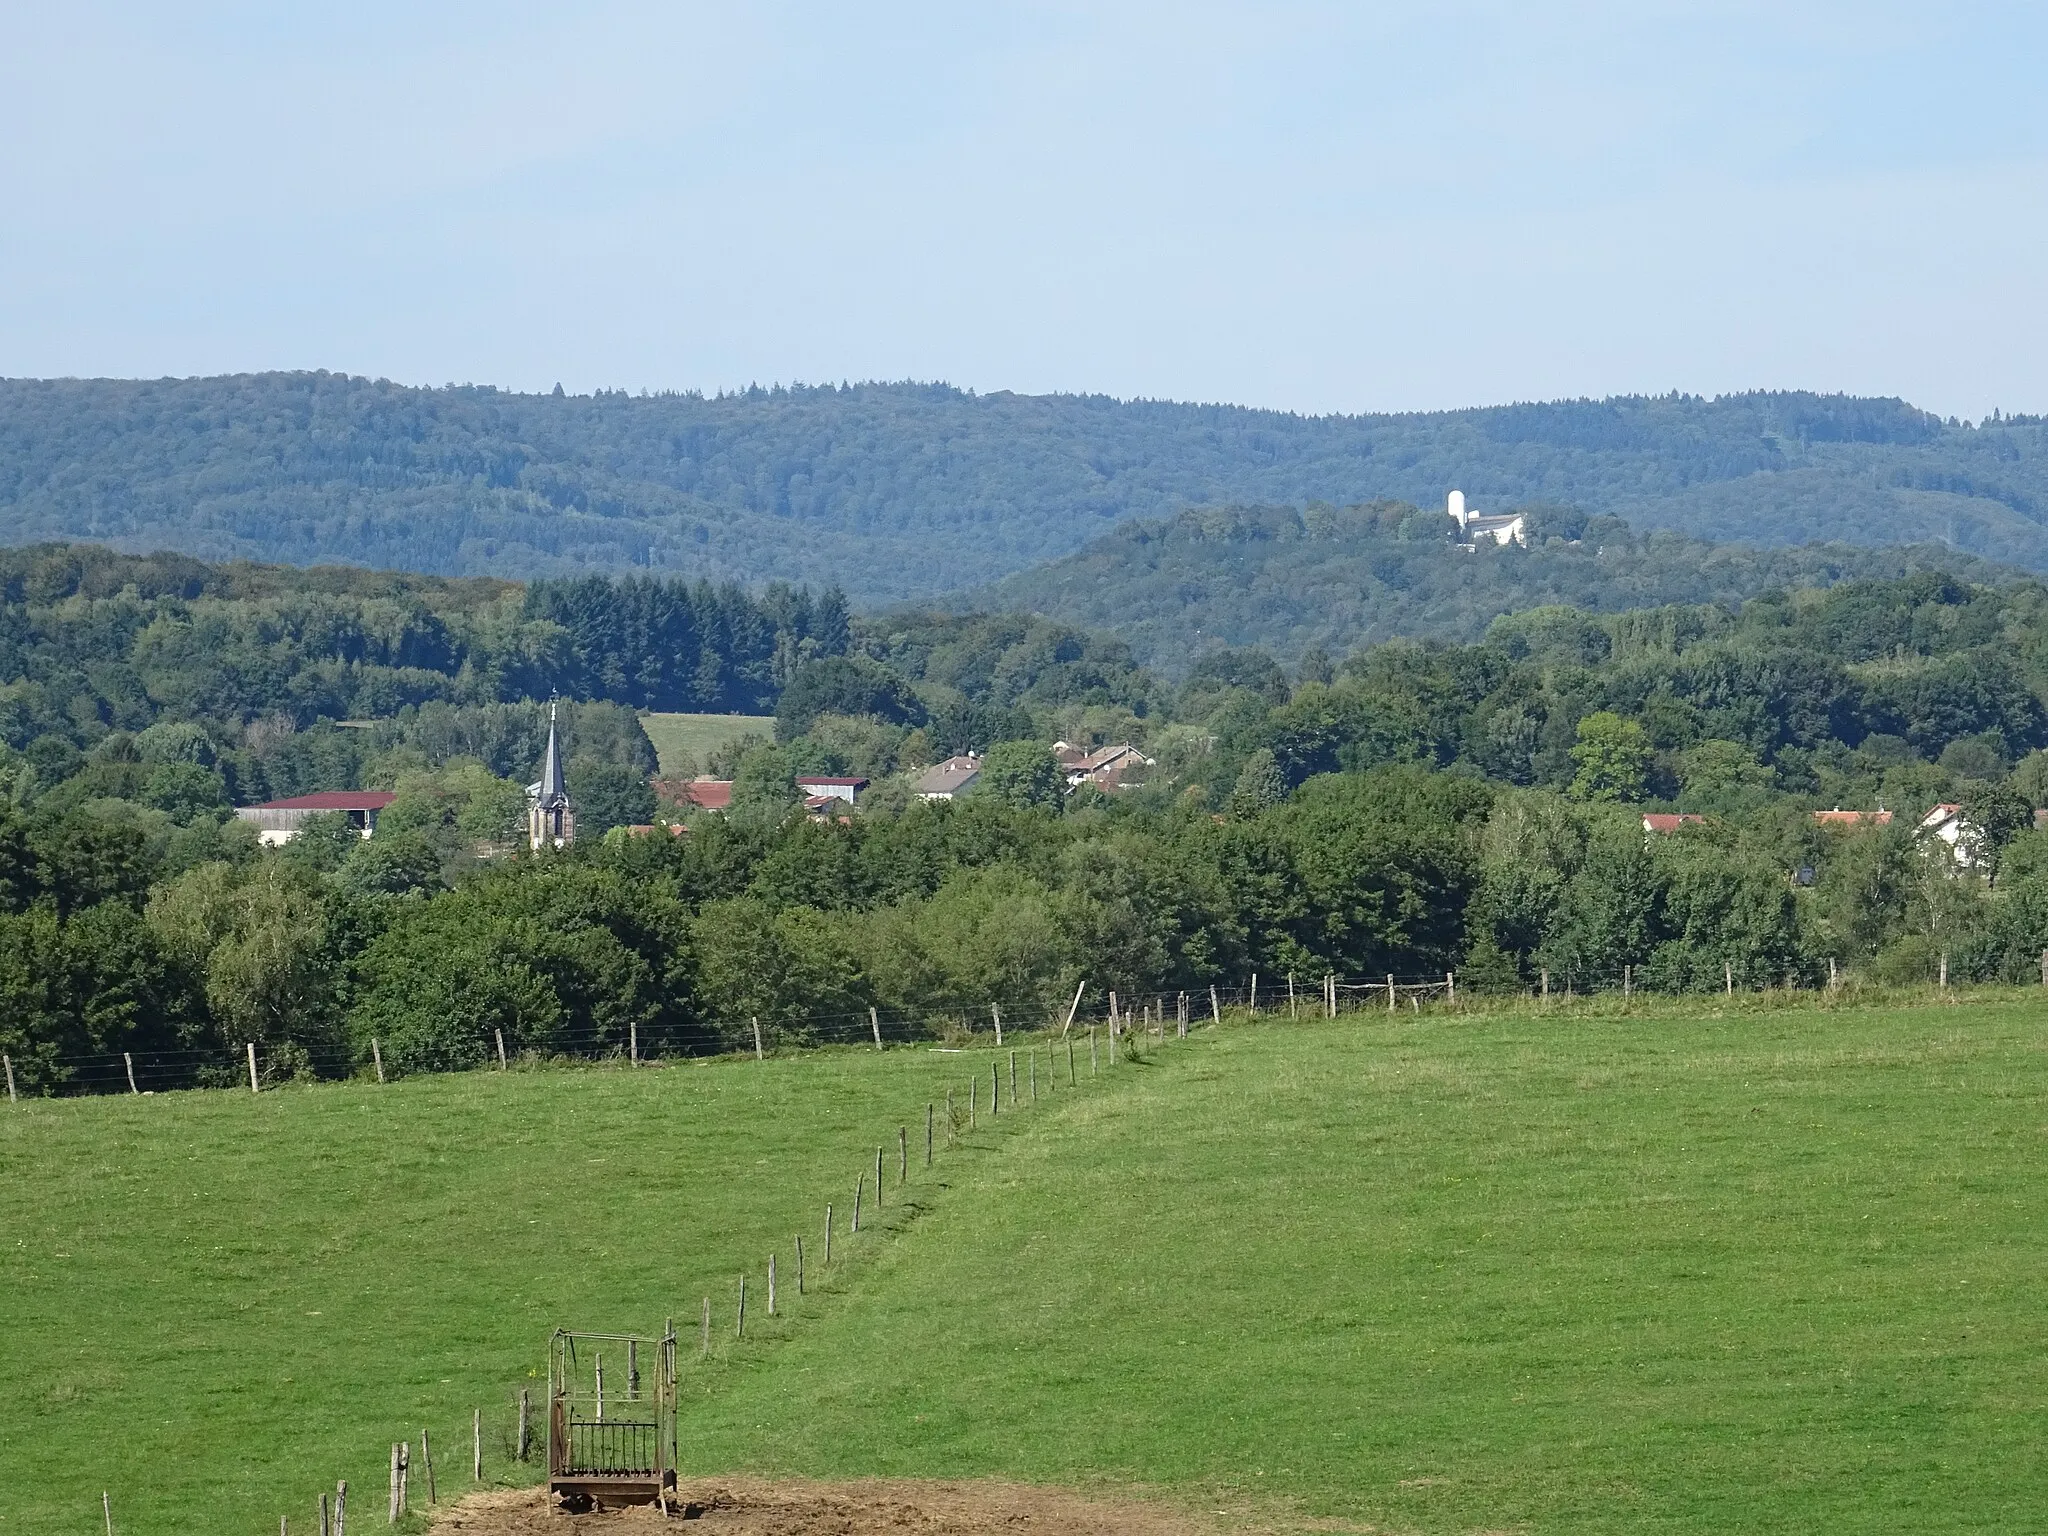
(1325, 208)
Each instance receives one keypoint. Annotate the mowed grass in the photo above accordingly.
(1770, 1272)
(1767, 1273)
(696, 737)
(216, 1304)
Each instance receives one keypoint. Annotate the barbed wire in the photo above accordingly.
(932, 1021)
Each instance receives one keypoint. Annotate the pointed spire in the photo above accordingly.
(552, 784)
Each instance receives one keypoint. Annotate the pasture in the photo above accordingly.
(1774, 1271)
(677, 737)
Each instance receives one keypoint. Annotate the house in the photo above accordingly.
(1509, 529)
(696, 794)
(827, 808)
(1965, 838)
(1665, 823)
(550, 818)
(1841, 818)
(1105, 767)
(942, 781)
(279, 821)
(831, 788)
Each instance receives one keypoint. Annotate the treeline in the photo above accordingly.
(1412, 809)
(93, 641)
(906, 491)
(1293, 579)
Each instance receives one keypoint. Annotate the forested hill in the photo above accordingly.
(898, 491)
(1334, 579)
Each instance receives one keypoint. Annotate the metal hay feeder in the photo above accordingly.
(611, 1430)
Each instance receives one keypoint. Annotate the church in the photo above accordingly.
(550, 818)
(1474, 526)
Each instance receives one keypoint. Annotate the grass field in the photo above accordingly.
(695, 737)
(1771, 1272)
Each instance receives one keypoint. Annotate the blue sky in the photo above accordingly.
(1319, 207)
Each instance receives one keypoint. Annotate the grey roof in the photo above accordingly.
(553, 786)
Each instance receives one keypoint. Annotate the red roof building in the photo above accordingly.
(279, 821)
(1665, 822)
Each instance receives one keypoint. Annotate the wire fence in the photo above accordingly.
(259, 1065)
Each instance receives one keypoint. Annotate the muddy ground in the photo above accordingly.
(734, 1506)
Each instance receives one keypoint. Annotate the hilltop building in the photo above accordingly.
(1472, 527)
(550, 818)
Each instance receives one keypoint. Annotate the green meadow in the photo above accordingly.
(1670, 1271)
(676, 737)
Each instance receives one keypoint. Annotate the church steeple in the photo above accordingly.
(550, 818)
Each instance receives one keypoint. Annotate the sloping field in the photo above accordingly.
(1778, 1272)
(1774, 1273)
(683, 743)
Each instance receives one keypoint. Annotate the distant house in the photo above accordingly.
(942, 781)
(696, 794)
(1965, 838)
(831, 788)
(1665, 823)
(1841, 818)
(1472, 527)
(1105, 767)
(279, 821)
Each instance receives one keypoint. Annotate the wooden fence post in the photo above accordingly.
(1013, 1079)
(997, 1014)
(771, 1285)
(1390, 992)
(995, 1088)
(828, 1234)
(377, 1055)
(1545, 993)
(427, 1449)
(476, 1444)
(928, 1112)
(1073, 1081)
(1727, 979)
(859, 1187)
(128, 1061)
(325, 1528)
(902, 1155)
(1215, 1009)
(341, 1508)
(799, 1241)
(503, 1064)
(1292, 1011)
(252, 1067)
(758, 1055)
(1073, 1008)
(1255, 992)
(973, 1098)
(107, 1509)
(1628, 982)
(875, 1026)
(705, 1347)
(1944, 970)
(1093, 1066)
(739, 1318)
(878, 1176)
(391, 1506)
(8, 1062)
(1034, 1076)
(525, 1432)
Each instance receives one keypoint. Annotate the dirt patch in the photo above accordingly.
(737, 1506)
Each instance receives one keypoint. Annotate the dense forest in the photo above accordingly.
(905, 491)
(1290, 580)
(1411, 808)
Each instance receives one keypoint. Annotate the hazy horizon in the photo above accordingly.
(1305, 207)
